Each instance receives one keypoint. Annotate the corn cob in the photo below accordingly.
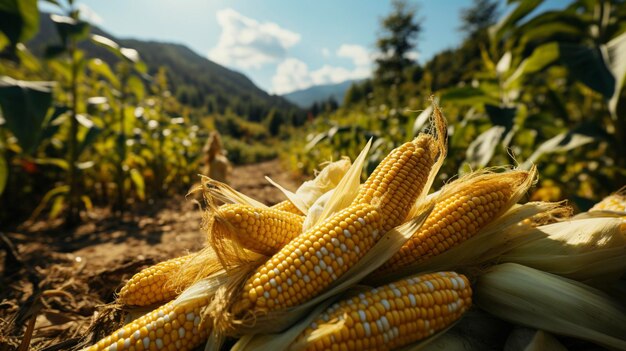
(390, 316)
(150, 285)
(458, 217)
(170, 327)
(314, 260)
(262, 230)
(287, 206)
(398, 180)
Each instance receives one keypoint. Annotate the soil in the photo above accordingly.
(54, 283)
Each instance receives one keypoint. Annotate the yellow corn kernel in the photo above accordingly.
(456, 218)
(287, 206)
(170, 327)
(390, 316)
(399, 179)
(262, 230)
(150, 285)
(312, 261)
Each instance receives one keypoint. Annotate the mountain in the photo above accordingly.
(306, 97)
(195, 80)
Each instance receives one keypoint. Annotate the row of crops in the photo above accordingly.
(77, 132)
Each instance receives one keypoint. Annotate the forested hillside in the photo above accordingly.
(195, 80)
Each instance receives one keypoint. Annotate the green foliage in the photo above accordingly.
(541, 89)
(97, 135)
(481, 15)
(24, 107)
(19, 20)
(240, 152)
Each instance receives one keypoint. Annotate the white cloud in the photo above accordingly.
(89, 15)
(293, 74)
(247, 43)
(357, 53)
(325, 52)
(413, 55)
(330, 74)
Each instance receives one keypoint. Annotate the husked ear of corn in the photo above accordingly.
(173, 326)
(532, 298)
(399, 179)
(310, 262)
(459, 215)
(287, 206)
(314, 260)
(614, 203)
(150, 286)
(262, 230)
(582, 249)
(390, 316)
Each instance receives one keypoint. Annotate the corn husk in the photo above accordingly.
(476, 331)
(215, 190)
(525, 339)
(532, 298)
(316, 210)
(280, 341)
(346, 190)
(204, 263)
(585, 249)
(327, 179)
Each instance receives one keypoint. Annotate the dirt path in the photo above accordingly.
(63, 276)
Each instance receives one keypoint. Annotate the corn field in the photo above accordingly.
(151, 199)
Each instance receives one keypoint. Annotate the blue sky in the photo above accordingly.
(281, 45)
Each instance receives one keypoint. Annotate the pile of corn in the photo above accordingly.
(383, 265)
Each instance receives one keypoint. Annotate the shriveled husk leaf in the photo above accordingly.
(326, 180)
(203, 264)
(346, 190)
(525, 339)
(584, 249)
(280, 341)
(558, 214)
(545, 301)
(487, 246)
(215, 190)
(315, 211)
(475, 331)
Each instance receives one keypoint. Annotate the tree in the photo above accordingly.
(353, 95)
(478, 17)
(396, 42)
(331, 104)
